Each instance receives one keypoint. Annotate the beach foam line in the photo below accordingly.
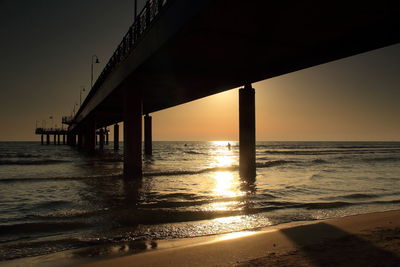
(367, 238)
(279, 245)
(286, 242)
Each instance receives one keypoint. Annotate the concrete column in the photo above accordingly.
(247, 132)
(132, 134)
(73, 139)
(148, 149)
(80, 139)
(58, 139)
(90, 136)
(47, 139)
(63, 139)
(107, 137)
(116, 136)
(101, 143)
(55, 139)
(41, 139)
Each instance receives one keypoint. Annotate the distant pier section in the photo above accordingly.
(56, 133)
(61, 136)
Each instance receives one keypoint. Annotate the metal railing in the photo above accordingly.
(141, 25)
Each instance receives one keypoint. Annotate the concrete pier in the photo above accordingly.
(90, 136)
(247, 132)
(80, 139)
(58, 139)
(148, 149)
(107, 135)
(55, 139)
(63, 139)
(101, 139)
(73, 139)
(116, 136)
(132, 134)
(41, 139)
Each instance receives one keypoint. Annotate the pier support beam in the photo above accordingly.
(132, 134)
(148, 149)
(73, 139)
(55, 139)
(58, 139)
(63, 139)
(247, 132)
(116, 136)
(90, 136)
(80, 139)
(107, 137)
(41, 139)
(47, 139)
(101, 141)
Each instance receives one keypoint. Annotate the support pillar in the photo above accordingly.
(90, 136)
(63, 138)
(107, 137)
(116, 136)
(132, 134)
(41, 139)
(80, 139)
(58, 139)
(55, 139)
(148, 149)
(101, 141)
(73, 140)
(47, 139)
(247, 132)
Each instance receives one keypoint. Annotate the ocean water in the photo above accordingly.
(56, 198)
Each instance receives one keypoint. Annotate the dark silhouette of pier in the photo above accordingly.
(177, 51)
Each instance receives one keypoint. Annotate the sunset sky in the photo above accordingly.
(46, 49)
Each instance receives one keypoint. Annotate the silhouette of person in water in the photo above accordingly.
(229, 146)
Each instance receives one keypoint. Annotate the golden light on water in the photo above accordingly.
(226, 185)
(224, 161)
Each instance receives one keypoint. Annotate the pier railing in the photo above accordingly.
(143, 22)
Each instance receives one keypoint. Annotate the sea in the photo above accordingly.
(56, 198)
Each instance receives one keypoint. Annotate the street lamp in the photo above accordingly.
(80, 95)
(97, 62)
(52, 121)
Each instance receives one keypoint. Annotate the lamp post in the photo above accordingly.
(52, 121)
(135, 12)
(80, 93)
(97, 61)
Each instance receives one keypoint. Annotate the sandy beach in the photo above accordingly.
(361, 240)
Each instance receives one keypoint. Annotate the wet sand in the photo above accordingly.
(362, 240)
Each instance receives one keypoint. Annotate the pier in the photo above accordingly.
(178, 51)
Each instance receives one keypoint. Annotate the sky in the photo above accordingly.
(45, 56)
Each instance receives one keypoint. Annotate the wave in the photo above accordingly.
(182, 172)
(382, 159)
(194, 152)
(332, 151)
(274, 163)
(55, 179)
(40, 227)
(32, 162)
(319, 161)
